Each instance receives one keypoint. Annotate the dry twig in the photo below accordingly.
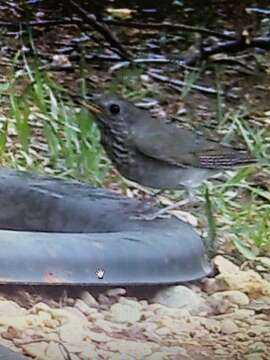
(103, 29)
(170, 27)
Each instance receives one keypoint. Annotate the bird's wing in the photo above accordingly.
(182, 147)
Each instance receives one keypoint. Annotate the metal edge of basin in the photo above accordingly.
(65, 232)
(126, 258)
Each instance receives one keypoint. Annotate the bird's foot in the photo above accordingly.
(164, 212)
(161, 213)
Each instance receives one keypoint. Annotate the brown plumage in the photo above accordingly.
(157, 153)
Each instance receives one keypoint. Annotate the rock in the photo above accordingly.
(149, 315)
(12, 333)
(173, 312)
(109, 355)
(85, 348)
(160, 355)
(98, 337)
(74, 357)
(54, 352)
(211, 325)
(105, 325)
(264, 260)
(82, 307)
(176, 351)
(95, 315)
(37, 350)
(68, 314)
(108, 326)
(73, 332)
(116, 292)
(233, 296)
(213, 285)
(221, 352)
(42, 318)
(128, 311)
(181, 297)
(220, 306)
(178, 327)
(243, 314)
(52, 336)
(40, 307)
(228, 327)
(38, 320)
(225, 266)
(17, 322)
(76, 313)
(118, 356)
(150, 326)
(131, 302)
(163, 331)
(257, 330)
(89, 299)
(105, 301)
(258, 346)
(242, 336)
(249, 281)
(144, 303)
(138, 349)
(261, 305)
(51, 323)
(254, 356)
(11, 308)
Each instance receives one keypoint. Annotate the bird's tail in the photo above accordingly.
(226, 161)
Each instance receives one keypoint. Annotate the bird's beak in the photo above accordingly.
(93, 107)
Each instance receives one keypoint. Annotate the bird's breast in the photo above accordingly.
(117, 145)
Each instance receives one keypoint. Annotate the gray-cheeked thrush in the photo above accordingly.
(157, 153)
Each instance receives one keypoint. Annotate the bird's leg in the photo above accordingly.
(150, 192)
(163, 213)
(150, 217)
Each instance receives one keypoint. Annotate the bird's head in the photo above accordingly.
(110, 110)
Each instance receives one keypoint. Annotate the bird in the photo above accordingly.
(156, 152)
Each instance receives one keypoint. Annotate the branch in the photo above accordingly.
(171, 27)
(228, 47)
(180, 83)
(103, 29)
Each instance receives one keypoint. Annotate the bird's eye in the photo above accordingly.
(114, 109)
